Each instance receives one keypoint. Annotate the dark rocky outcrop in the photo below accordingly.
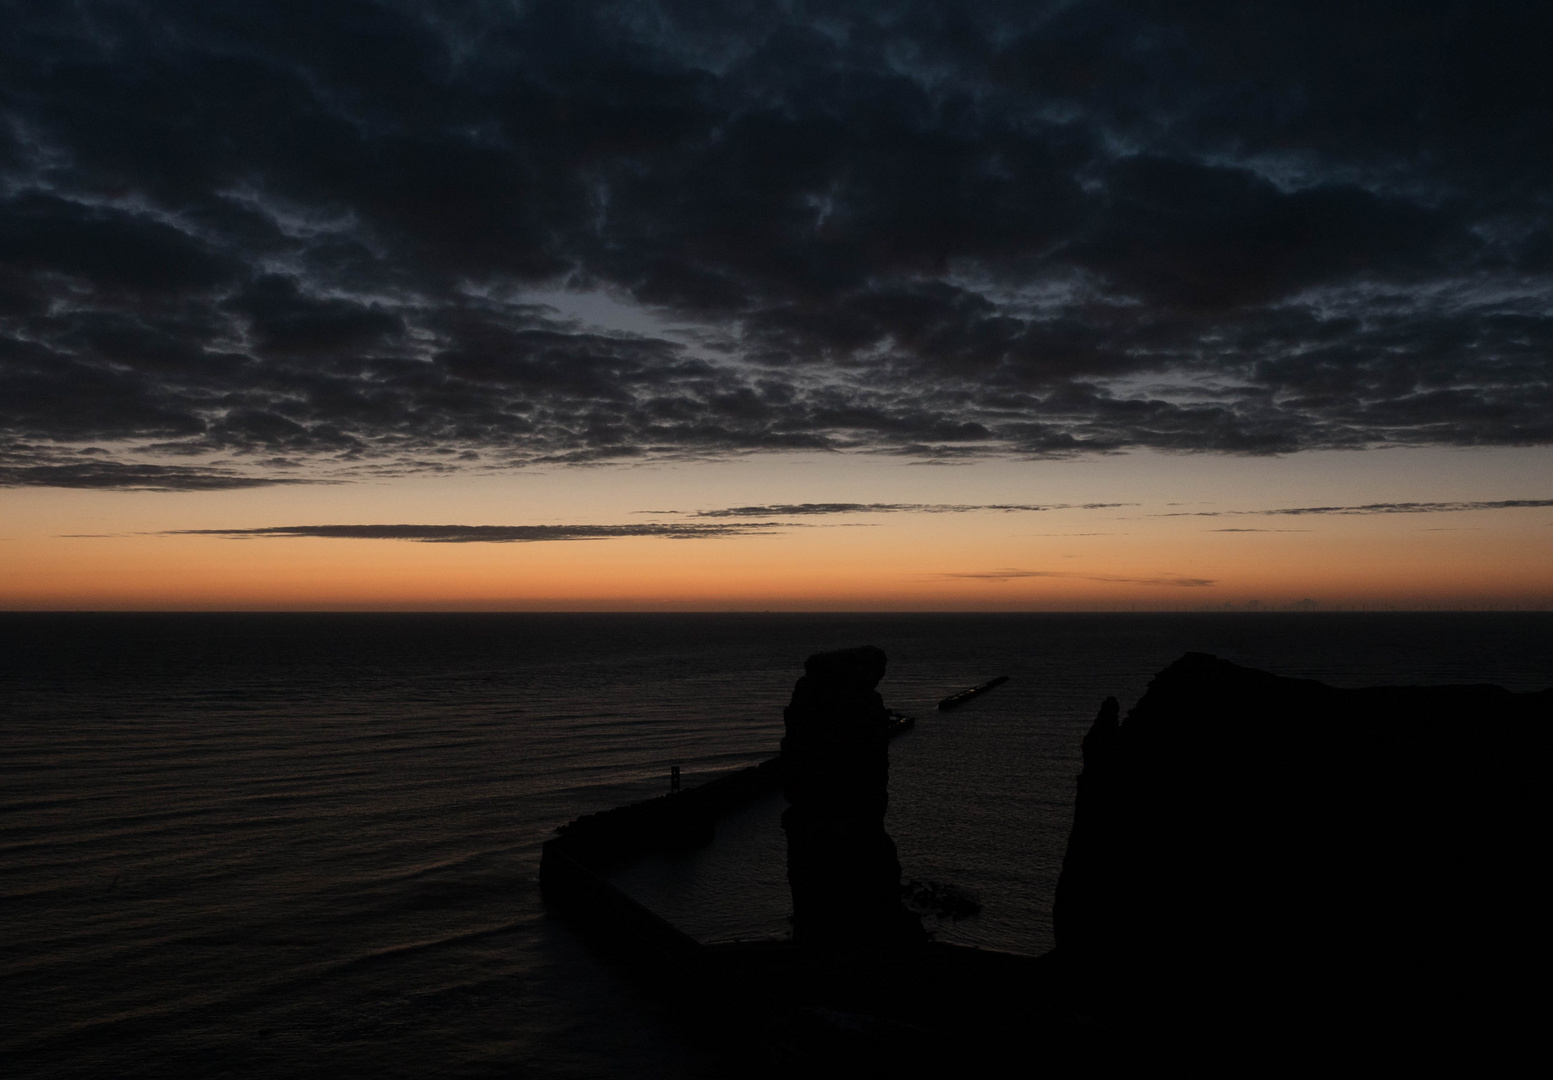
(1272, 867)
(842, 865)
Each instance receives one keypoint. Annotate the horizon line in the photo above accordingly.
(1290, 609)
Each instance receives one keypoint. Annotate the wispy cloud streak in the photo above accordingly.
(1375, 508)
(1171, 580)
(808, 509)
(120, 476)
(484, 534)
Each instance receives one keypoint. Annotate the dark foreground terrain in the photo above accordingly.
(1262, 872)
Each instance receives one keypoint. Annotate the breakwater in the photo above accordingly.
(575, 863)
(573, 874)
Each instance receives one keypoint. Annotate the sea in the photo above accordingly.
(298, 845)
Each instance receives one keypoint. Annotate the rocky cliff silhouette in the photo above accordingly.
(1270, 867)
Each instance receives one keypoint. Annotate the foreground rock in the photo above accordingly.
(1271, 868)
(842, 865)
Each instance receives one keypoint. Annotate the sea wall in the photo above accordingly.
(683, 819)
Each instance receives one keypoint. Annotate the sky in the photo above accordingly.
(776, 306)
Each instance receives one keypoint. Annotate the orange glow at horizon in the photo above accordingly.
(1165, 524)
(841, 569)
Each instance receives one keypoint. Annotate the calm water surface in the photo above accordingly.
(308, 845)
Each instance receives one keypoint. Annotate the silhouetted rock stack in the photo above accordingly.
(1270, 866)
(842, 865)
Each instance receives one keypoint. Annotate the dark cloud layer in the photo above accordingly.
(483, 534)
(318, 230)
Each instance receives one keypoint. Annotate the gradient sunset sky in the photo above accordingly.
(692, 306)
